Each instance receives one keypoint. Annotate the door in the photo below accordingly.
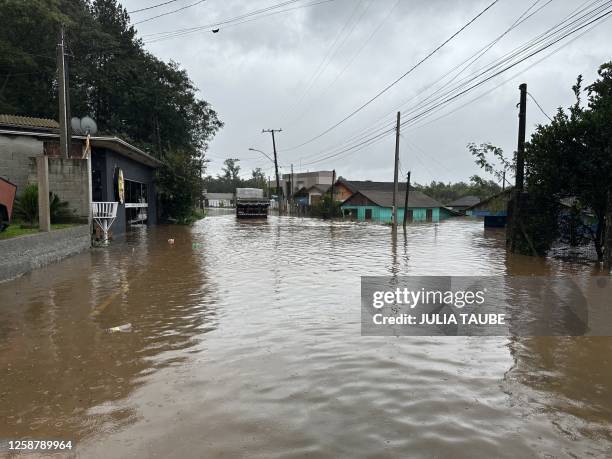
(429, 215)
(368, 214)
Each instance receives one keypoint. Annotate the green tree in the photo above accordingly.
(127, 90)
(572, 157)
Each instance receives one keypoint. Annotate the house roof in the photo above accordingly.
(320, 187)
(16, 121)
(415, 199)
(112, 143)
(465, 201)
(229, 196)
(490, 198)
(368, 185)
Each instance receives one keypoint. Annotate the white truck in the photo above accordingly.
(251, 203)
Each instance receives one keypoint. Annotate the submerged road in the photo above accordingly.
(243, 340)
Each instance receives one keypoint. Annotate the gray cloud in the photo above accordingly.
(254, 73)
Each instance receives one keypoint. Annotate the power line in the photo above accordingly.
(539, 106)
(151, 7)
(470, 60)
(353, 57)
(397, 80)
(586, 21)
(189, 30)
(170, 12)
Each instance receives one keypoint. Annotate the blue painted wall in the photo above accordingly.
(383, 214)
(107, 161)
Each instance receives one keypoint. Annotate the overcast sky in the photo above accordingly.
(260, 75)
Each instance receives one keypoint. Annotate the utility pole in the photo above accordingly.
(278, 188)
(504, 180)
(333, 201)
(64, 120)
(395, 185)
(406, 201)
(292, 187)
(520, 170)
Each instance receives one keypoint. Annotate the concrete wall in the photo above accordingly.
(68, 178)
(25, 253)
(15, 158)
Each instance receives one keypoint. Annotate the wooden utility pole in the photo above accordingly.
(608, 240)
(395, 172)
(64, 120)
(406, 200)
(516, 222)
(333, 201)
(279, 192)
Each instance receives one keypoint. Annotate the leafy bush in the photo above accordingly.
(26, 207)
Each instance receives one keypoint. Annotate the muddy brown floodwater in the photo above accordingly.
(244, 341)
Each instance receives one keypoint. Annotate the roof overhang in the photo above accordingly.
(112, 143)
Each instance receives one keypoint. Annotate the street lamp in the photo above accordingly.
(259, 151)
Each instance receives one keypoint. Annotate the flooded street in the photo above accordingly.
(243, 340)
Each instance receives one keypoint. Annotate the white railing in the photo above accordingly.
(104, 214)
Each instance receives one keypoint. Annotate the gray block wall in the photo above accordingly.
(25, 253)
(15, 158)
(67, 179)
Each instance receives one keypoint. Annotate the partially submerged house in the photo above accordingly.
(111, 171)
(463, 203)
(343, 189)
(376, 205)
(496, 205)
(311, 195)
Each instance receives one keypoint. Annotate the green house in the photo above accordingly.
(372, 205)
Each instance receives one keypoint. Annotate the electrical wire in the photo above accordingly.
(397, 80)
(169, 12)
(539, 106)
(587, 20)
(151, 7)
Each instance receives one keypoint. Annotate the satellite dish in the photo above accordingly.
(88, 126)
(75, 123)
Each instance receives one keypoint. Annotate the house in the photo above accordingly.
(312, 195)
(493, 206)
(463, 203)
(343, 189)
(376, 205)
(112, 171)
(219, 200)
(305, 180)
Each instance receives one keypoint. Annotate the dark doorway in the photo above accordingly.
(368, 214)
(429, 215)
(409, 215)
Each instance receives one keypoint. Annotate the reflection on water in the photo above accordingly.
(245, 340)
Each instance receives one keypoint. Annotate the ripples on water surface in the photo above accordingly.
(245, 341)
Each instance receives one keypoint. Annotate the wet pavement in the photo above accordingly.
(243, 340)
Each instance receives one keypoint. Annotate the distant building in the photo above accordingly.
(493, 206)
(463, 203)
(305, 180)
(311, 195)
(219, 200)
(376, 205)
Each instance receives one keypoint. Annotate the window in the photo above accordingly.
(136, 202)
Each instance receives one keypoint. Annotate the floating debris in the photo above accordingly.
(120, 328)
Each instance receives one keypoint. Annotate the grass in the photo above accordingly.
(15, 230)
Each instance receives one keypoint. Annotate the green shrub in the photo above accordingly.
(26, 207)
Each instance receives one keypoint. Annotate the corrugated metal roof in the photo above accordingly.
(416, 199)
(27, 121)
